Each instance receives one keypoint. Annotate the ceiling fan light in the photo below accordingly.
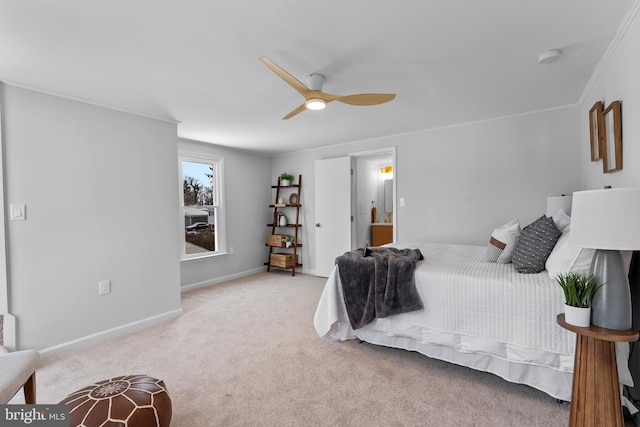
(315, 104)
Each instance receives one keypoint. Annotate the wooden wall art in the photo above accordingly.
(596, 128)
(612, 138)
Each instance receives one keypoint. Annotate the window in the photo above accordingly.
(202, 205)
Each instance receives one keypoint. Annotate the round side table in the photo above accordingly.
(595, 396)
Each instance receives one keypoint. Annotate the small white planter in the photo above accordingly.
(577, 316)
(285, 183)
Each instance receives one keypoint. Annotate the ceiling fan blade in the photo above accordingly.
(366, 98)
(311, 95)
(298, 110)
(295, 83)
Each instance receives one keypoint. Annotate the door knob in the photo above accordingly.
(317, 224)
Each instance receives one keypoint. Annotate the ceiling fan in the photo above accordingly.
(315, 99)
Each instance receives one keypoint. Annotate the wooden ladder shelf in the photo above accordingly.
(280, 256)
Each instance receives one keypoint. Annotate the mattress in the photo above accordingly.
(477, 314)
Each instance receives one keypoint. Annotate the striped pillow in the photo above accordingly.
(502, 241)
(535, 245)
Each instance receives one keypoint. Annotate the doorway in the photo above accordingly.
(374, 185)
(343, 211)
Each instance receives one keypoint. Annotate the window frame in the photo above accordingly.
(219, 203)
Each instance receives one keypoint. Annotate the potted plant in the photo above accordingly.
(288, 241)
(578, 290)
(285, 179)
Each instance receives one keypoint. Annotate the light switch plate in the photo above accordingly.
(18, 212)
(104, 287)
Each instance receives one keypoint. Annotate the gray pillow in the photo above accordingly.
(535, 245)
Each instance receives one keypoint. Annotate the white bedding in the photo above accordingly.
(478, 314)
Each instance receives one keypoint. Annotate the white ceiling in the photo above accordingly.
(196, 61)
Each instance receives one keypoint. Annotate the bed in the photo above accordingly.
(479, 314)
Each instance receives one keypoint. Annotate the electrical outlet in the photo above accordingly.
(232, 250)
(104, 287)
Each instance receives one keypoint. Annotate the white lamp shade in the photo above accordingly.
(555, 203)
(606, 219)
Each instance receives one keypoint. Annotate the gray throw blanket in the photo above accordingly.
(379, 284)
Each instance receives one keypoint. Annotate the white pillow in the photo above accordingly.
(562, 220)
(502, 242)
(566, 258)
(582, 264)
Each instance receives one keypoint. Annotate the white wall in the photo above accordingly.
(618, 80)
(469, 179)
(247, 195)
(100, 189)
(461, 182)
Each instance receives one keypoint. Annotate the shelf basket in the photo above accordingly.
(275, 240)
(281, 260)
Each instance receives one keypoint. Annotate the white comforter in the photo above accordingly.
(478, 314)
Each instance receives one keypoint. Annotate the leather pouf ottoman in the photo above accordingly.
(128, 401)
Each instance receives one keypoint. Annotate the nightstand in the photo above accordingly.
(595, 397)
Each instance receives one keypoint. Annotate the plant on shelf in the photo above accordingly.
(578, 290)
(286, 179)
(288, 240)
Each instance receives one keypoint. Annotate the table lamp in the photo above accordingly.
(608, 221)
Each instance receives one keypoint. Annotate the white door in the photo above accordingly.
(333, 212)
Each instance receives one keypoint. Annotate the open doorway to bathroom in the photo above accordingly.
(374, 187)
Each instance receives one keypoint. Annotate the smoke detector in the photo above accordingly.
(549, 56)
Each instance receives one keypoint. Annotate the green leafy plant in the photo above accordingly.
(578, 288)
(288, 238)
(286, 176)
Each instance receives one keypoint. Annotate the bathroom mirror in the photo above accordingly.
(388, 195)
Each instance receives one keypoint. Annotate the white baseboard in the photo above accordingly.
(143, 323)
(110, 333)
(205, 283)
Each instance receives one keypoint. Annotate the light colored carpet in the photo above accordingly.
(245, 353)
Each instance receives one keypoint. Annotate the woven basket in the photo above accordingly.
(275, 240)
(281, 260)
